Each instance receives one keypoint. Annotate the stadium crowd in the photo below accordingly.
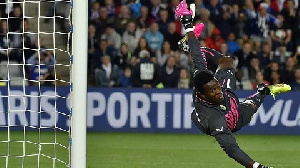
(133, 43)
(20, 46)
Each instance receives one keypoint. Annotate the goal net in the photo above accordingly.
(35, 83)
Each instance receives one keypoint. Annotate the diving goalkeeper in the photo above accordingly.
(218, 112)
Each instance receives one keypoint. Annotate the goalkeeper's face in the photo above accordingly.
(213, 92)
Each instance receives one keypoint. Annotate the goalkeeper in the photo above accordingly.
(218, 112)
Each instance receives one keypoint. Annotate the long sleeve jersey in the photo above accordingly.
(218, 120)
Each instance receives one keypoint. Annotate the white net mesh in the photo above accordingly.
(34, 83)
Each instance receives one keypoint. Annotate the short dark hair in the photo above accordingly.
(201, 78)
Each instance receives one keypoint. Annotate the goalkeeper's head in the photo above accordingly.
(207, 87)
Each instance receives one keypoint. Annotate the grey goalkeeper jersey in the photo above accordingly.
(218, 120)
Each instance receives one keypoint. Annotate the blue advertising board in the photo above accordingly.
(137, 110)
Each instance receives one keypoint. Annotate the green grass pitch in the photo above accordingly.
(141, 150)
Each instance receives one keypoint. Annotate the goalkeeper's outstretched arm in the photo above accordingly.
(198, 57)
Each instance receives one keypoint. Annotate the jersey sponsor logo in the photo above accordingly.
(222, 107)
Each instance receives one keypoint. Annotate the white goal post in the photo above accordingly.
(79, 78)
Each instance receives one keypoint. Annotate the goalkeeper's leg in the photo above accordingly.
(249, 107)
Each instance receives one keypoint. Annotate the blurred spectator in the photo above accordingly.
(277, 5)
(27, 38)
(28, 35)
(93, 41)
(224, 49)
(296, 31)
(288, 71)
(216, 11)
(163, 21)
(125, 81)
(94, 12)
(259, 78)
(163, 54)
(182, 59)
(281, 54)
(40, 63)
(233, 46)
(53, 12)
(135, 7)
(225, 25)
(281, 33)
(154, 37)
(184, 79)
(107, 74)
(123, 19)
(297, 55)
(289, 11)
(142, 45)
(242, 83)
(199, 5)
(214, 41)
(265, 56)
(155, 7)
(145, 2)
(295, 85)
(274, 67)
(244, 55)
(113, 38)
(172, 8)
(145, 74)
(170, 73)
(144, 21)
(234, 17)
(260, 24)
(209, 26)
(131, 36)
(112, 9)
(291, 18)
(104, 20)
(242, 28)
(270, 10)
(253, 68)
(256, 46)
(172, 36)
(249, 9)
(275, 78)
(5, 41)
(2, 8)
(15, 18)
(103, 49)
(123, 57)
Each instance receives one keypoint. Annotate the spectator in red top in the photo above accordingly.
(215, 40)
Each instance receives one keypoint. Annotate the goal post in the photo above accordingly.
(79, 86)
(43, 83)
